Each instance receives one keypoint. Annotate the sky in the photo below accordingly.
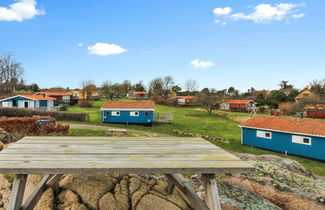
(219, 43)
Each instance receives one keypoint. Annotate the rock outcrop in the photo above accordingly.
(277, 183)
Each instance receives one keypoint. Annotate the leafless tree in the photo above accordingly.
(207, 100)
(191, 86)
(108, 90)
(167, 83)
(88, 86)
(156, 87)
(11, 71)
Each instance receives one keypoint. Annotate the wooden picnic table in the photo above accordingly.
(54, 156)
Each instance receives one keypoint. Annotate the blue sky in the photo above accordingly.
(220, 43)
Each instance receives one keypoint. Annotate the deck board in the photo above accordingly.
(88, 155)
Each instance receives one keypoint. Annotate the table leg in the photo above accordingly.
(46, 182)
(170, 187)
(18, 190)
(182, 184)
(212, 198)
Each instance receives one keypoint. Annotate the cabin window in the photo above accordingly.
(134, 114)
(107, 113)
(264, 134)
(146, 114)
(116, 113)
(301, 140)
(14, 102)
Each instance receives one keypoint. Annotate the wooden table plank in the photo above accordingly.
(135, 166)
(81, 155)
(105, 157)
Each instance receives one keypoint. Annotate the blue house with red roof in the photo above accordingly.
(135, 112)
(302, 137)
(41, 102)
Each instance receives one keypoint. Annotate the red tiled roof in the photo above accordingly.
(322, 106)
(292, 125)
(129, 105)
(186, 97)
(38, 97)
(138, 92)
(238, 101)
(56, 93)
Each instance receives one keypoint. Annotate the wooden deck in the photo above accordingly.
(88, 155)
(54, 156)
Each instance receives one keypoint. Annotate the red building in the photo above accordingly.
(317, 111)
(236, 105)
(61, 97)
(184, 100)
(139, 95)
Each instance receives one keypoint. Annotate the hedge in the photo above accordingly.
(60, 116)
(31, 126)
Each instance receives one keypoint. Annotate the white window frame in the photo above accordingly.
(116, 113)
(134, 114)
(300, 140)
(262, 134)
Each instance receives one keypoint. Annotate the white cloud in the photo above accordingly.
(298, 15)
(105, 49)
(220, 22)
(222, 11)
(80, 44)
(201, 64)
(19, 11)
(266, 13)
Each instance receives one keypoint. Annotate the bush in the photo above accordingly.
(60, 116)
(26, 125)
(55, 128)
(85, 103)
(263, 109)
(31, 126)
(286, 108)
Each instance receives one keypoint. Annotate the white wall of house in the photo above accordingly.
(30, 104)
(6, 104)
(181, 101)
(66, 98)
(224, 106)
(50, 105)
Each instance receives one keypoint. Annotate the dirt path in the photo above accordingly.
(101, 127)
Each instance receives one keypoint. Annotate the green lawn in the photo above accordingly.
(195, 120)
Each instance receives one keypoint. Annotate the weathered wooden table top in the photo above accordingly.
(88, 155)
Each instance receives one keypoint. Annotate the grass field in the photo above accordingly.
(195, 120)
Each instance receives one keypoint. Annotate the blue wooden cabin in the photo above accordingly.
(28, 101)
(133, 112)
(302, 137)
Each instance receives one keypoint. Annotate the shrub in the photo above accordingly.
(55, 128)
(85, 103)
(286, 108)
(60, 116)
(26, 125)
(31, 126)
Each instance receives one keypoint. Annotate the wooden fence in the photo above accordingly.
(163, 118)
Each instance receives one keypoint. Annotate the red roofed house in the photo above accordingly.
(29, 101)
(61, 97)
(141, 112)
(315, 111)
(303, 137)
(139, 95)
(236, 105)
(184, 100)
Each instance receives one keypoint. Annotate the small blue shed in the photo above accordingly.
(302, 137)
(135, 112)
